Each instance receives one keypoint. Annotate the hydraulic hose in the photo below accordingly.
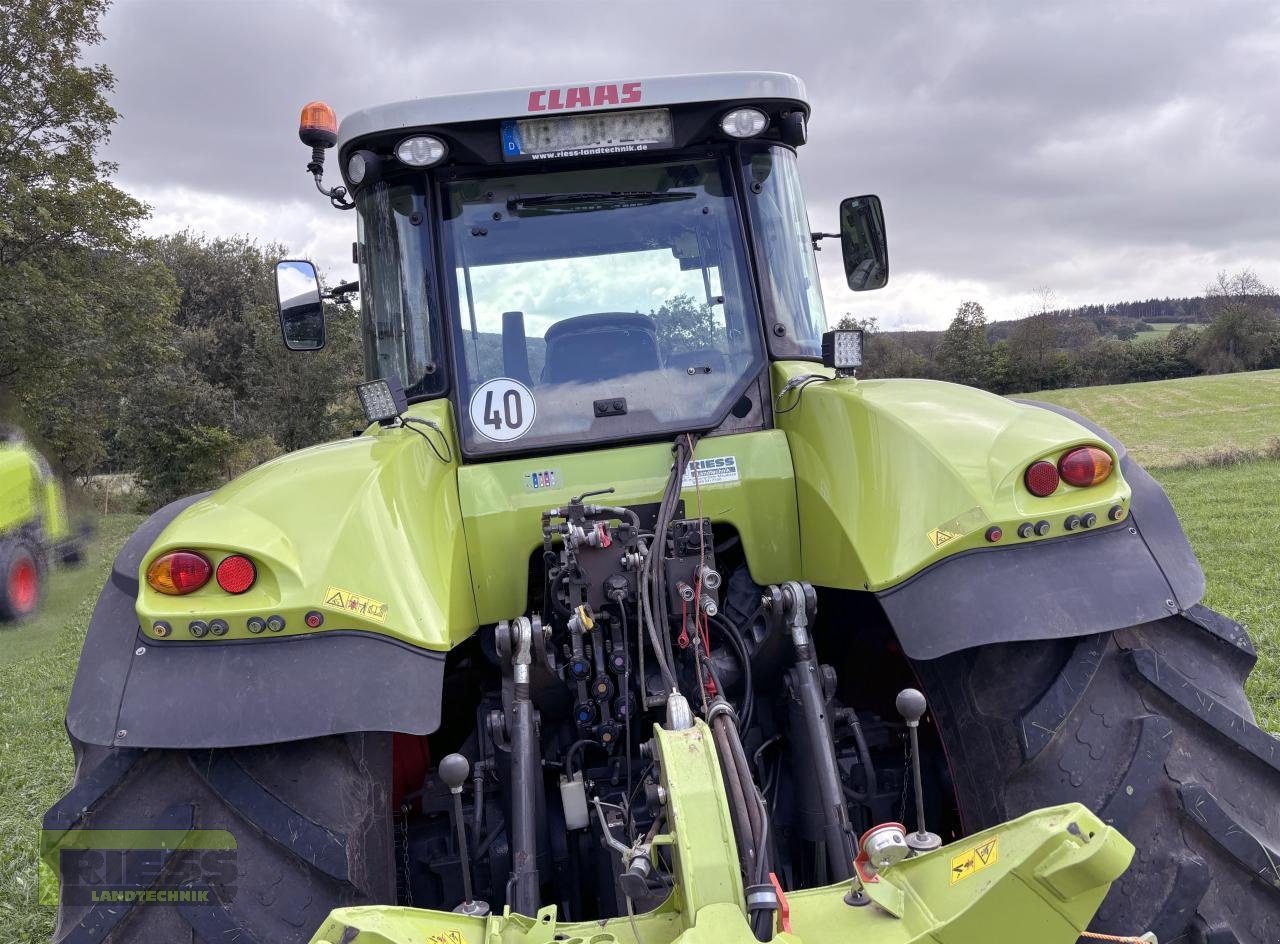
(722, 623)
(653, 580)
(747, 809)
(575, 749)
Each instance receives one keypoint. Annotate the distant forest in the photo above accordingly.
(1234, 326)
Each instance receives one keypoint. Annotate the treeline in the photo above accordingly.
(1071, 349)
(160, 357)
(1113, 315)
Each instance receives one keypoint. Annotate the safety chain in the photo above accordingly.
(404, 841)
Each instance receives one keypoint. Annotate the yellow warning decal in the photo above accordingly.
(335, 598)
(975, 859)
(939, 537)
(450, 936)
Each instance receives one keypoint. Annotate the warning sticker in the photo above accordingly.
(717, 471)
(939, 537)
(975, 859)
(335, 598)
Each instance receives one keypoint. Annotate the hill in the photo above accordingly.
(1188, 421)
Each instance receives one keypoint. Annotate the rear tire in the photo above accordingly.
(1148, 727)
(22, 573)
(311, 821)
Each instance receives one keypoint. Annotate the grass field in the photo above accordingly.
(39, 662)
(1161, 329)
(1168, 423)
(1231, 511)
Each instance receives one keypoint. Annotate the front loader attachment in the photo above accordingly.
(1040, 877)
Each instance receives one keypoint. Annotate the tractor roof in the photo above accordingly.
(608, 95)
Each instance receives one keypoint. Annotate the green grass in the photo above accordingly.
(35, 759)
(1168, 423)
(1232, 516)
(66, 590)
(1160, 329)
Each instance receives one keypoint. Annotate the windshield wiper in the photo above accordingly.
(596, 200)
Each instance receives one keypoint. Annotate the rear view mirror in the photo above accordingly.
(862, 239)
(298, 300)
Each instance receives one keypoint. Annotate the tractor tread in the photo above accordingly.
(1206, 708)
(310, 819)
(213, 924)
(1144, 775)
(97, 924)
(1225, 629)
(1041, 721)
(270, 815)
(1149, 727)
(1231, 835)
(92, 787)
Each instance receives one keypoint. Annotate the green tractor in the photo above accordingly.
(634, 615)
(34, 532)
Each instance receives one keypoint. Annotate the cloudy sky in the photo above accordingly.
(1104, 150)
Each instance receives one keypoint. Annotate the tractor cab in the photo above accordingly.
(587, 264)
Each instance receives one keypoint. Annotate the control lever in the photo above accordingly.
(454, 770)
(636, 860)
(911, 705)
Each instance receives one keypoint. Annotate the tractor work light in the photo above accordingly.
(382, 400)
(236, 573)
(1041, 478)
(178, 572)
(744, 122)
(1086, 466)
(842, 350)
(422, 150)
(357, 167)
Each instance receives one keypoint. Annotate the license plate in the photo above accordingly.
(621, 132)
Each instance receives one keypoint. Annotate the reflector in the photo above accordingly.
(1042, 478)
(236, 573)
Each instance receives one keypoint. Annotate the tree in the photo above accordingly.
(1245, 332)
(685, 324)
(1034, 358)
(964, 354)
(80, 310)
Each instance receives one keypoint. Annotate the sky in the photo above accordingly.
(1102, 151)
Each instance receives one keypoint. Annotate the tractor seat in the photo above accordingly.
(590, 348)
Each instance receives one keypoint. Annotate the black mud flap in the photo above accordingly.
(132, 691)
(1136, 571)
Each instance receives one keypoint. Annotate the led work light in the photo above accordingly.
(744, 122)
(422, 150)
(382, 400)
(842, 350)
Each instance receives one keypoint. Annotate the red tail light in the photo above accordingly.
(1042, 478)
(178, 572)
(236, 574)
(1085, 466)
